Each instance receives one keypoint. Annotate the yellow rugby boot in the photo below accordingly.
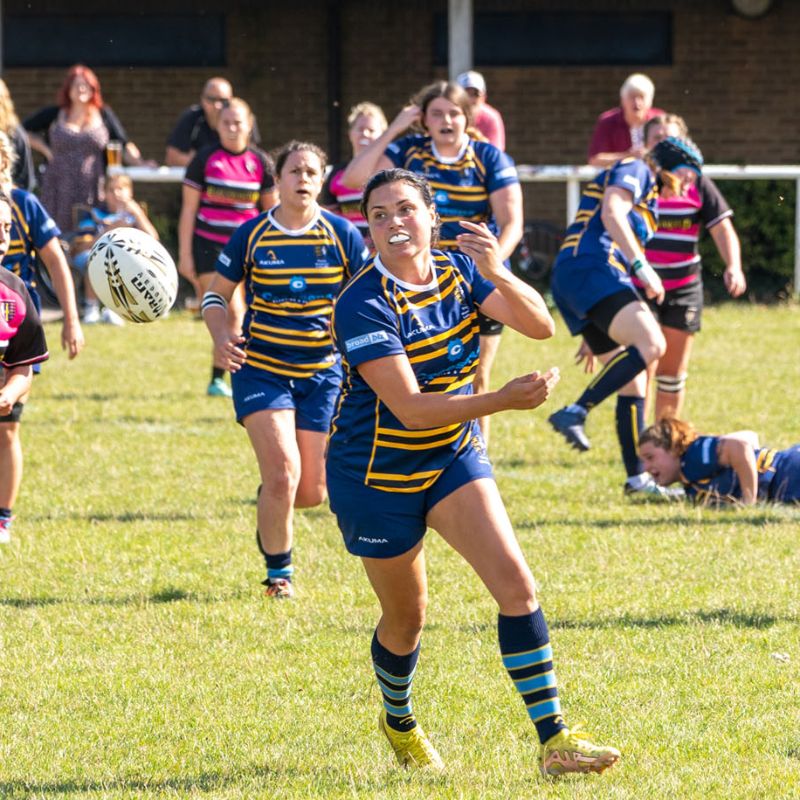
(412, 748)
(574, 751)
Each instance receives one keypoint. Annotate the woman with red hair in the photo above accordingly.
(73, 136)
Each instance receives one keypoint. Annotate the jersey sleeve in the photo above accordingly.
(715, 207)
(357, 252)
(268, 178)
(181, 136)
(231, 261)
(28, 345)
(42, 226)
(396, 151)
(195, 175)
(633, 175)
(480, 287)
(700, 461)
(365, 328)
(500, 169)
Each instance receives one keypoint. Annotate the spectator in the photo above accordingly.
(367, 122)
(73, 136)
(619, 132)
(119, 210)
(197, 126)
(22, 172)
(485, 118)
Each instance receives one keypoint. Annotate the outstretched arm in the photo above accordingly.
(56, 263)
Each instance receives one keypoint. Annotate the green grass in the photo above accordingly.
(138, 659)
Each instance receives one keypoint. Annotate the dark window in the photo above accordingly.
(111, 40)
(561, 38)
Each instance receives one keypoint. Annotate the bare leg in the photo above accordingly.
(488, 349)
(673, 364)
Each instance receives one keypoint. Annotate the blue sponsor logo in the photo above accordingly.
(441, 197)
(297, 283)
(455, 349)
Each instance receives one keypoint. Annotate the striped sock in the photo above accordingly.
(279, 565)
(624, 367)
(528, 657)
(630, 423)
(395, 675)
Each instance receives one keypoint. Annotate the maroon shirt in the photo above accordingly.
(611, 132)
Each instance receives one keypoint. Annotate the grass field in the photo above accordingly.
(139, 660)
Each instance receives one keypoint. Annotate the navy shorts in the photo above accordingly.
(380, 524)
(312, 399)
(579, 283)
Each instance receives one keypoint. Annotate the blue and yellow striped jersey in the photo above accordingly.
(291, 279)
(587, 235)
(461, 185)
(31, 228)
(436, 327)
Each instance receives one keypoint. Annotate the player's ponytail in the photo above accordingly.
(670, 434)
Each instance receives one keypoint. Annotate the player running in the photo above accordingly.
(733, 468)
(405, 454)
(32, 232)
(592, 286)
(471, 180)
(294, 260)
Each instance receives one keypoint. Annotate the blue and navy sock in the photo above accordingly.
(217, 372)
(279, 565)
(630, 423)
(624, 367)
(395, 675)
(528, 657)
(5, 513)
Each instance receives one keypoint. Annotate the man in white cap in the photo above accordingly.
(619, 132)
(486, 118)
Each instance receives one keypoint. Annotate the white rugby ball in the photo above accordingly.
(133, 274)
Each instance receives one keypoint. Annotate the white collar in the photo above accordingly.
(290, 231)
(451, 159)
(414, 287)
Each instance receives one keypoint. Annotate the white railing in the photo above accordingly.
(572, 176)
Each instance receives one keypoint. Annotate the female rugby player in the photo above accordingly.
(33, 232)
(405, 453)
(471, 180)
(733, 468)
(673, 253)
(286, 375)
(592, 286)
(225, 185)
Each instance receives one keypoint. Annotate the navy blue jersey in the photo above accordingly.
(705, 478)
(461, 185)
(587, 235)
(436, 327)
(31, 229)
(291, 280)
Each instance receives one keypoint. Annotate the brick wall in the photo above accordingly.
(732, 79)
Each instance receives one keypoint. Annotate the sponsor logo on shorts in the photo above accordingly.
(370, 540)
(253, 396)
(373, 337)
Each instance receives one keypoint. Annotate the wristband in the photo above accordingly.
(642, 270)
(213, 300)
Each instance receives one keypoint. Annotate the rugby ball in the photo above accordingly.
(133, 274)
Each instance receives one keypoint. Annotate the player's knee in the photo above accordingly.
(671, 384)
(653, 346)
(312, 495)
(9, 432)
(405, 624)
(517, 594)
(280, 482)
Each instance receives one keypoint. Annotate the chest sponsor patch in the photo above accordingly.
(373, 337)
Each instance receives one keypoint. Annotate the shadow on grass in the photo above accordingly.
(169, 594)
(121, 516)
(205, 781)
(683, 519)
(724, 616)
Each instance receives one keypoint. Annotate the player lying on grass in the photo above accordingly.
(731, 468)
(405, 454)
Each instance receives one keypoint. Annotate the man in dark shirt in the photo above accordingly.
(197, 125)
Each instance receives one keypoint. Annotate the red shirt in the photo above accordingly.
(611, 132)
(490, 123)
